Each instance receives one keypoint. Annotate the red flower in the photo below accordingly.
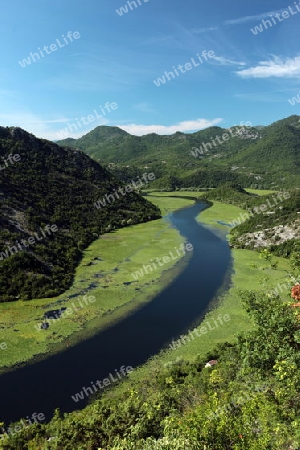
(295, 292)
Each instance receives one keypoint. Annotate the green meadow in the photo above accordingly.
(105, 276)
(260, 191)
(250, 272)
(106, 273)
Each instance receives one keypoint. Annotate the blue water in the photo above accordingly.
(224, 223)
(45, 385)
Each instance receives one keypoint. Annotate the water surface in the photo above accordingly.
(45, 385)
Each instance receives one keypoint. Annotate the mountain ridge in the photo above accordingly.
(246, 155)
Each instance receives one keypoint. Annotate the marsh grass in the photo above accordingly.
(109, 262)
(104, 272)
(250, 272)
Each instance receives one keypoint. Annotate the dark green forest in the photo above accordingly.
(51, 185)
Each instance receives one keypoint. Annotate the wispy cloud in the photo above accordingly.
(228, 62)
(204, 30)
(251, 18)
(30, 122)
(277, 67)
(98, 73)
(41, 128)
(238, 21)
(188, 125)
(156, 39)
(60, 120)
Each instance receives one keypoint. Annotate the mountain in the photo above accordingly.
(258, 157)
(49, 213)
(101, 136)
(278, 150)
(271, 221)
(107, 144)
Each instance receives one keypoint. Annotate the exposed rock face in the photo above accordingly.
(270, 236)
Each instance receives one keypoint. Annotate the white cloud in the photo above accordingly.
(238, 21)
(227, 62)
(188, 125)
(43, 128)
(278, 67)
(61, 120)
(204, 30)
(268, 97)
(29, 122)
(50, 129)
(156, 39)
(252, 18)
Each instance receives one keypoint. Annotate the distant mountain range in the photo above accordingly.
(54, 199)
(252, 156)
(48, 213)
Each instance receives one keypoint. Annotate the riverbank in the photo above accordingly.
(175, 398)
(105, 275)
(250, 272)
(144, 332)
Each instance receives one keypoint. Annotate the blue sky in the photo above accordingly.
(117, 58)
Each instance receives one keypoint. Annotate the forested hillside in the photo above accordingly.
(269, 221)
(41, 186)
(257, 157)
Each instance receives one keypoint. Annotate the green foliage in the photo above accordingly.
(231, 193)
(256, 157)
(249, 400)
(295, 258)
(277, 211)
(277, 215)
(52, 185)
(288, 249)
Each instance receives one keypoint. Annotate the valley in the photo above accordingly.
(149, 225)
(134, 337)
(221, 321)
(135, 278)
(105, 272)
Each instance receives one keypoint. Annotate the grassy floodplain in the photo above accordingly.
(109, 263)
(250, 272)
(104, 272)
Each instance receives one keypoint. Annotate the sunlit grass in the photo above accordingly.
(104, 272)
(250, 272)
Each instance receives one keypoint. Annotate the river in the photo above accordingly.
(48, 384)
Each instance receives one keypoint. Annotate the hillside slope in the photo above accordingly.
(48, 215)
(253, 156)
(271, 221)
(248, 399)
